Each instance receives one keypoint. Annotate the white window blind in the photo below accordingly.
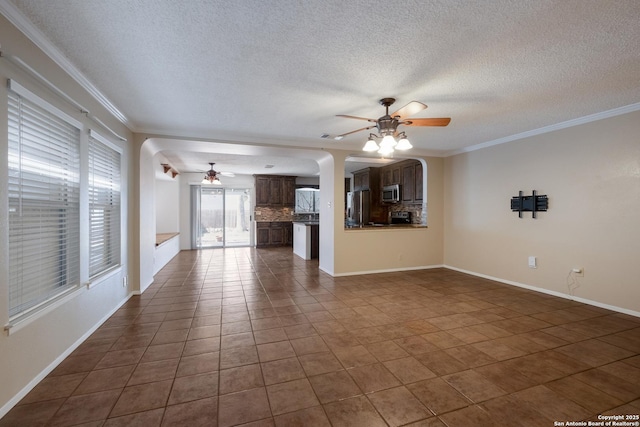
(43, 185)
(104, 205)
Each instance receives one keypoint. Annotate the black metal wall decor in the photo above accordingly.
(533, 204)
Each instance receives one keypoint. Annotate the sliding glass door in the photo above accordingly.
(221, 217)
(237, 217)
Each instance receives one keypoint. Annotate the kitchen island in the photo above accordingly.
(306, 239)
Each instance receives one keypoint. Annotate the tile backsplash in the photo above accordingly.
(416, 212)
(306, 216)
(267, 214)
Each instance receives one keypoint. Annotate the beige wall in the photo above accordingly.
(591, 174)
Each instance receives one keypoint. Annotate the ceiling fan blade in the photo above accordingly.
(357, 118)
(354, 131)
(229, 174)
(409, 110)
(443, 121)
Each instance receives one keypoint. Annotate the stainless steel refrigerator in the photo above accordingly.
(358, 207)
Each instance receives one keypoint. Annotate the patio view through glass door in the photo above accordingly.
(223, 217)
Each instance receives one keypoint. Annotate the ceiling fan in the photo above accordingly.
(211, 176)
(387, 126)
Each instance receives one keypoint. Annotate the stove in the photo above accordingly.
(401, 217)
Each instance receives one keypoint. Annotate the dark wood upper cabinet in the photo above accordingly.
(408, 182)
(263, 190)
(419, 190)
(395, 175)
(361, 180)
(390, 175)
(289, 191)
(275, 190)
(386, 176)
(407, 173)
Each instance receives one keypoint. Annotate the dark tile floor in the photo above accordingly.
(262, 338)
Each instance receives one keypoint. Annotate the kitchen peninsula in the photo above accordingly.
(387, 197)
(306, 239)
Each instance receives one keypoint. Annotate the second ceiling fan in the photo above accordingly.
(211, 176)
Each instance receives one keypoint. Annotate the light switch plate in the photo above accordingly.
(533, 262)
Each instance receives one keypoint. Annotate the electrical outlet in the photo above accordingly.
(533, 262)
(124, 282)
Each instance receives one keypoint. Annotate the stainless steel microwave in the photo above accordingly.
(391, 193)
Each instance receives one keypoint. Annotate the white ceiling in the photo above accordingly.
(278, 71)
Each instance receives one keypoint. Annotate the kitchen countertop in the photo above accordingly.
(307, 222)
(385, 227)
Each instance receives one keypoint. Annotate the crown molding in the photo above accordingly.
(13, 14)
(563, 125)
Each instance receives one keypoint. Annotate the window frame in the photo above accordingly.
(115, 225)
(66, 186)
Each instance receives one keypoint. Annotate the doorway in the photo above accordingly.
(221, 217)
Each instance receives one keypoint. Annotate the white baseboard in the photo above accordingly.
(35, 381)
(548, 292)
(389, 270)
(330, 273)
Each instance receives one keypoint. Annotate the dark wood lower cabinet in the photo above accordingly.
(263, 234)
(274, 234)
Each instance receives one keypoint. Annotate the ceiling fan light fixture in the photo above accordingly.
(370, 145)
(208, 179)
(388, 142)
(211, 177)
(404, 143)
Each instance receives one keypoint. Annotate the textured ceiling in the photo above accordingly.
(279, 71)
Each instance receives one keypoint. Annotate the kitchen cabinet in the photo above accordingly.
(419, 186)
(289, 191)
(407, 173)
(367, 179)
(263, 234)
(274, 234)
(275, 190)
(390, 175)
(263, 190)
(361, 180)
(408, 183)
